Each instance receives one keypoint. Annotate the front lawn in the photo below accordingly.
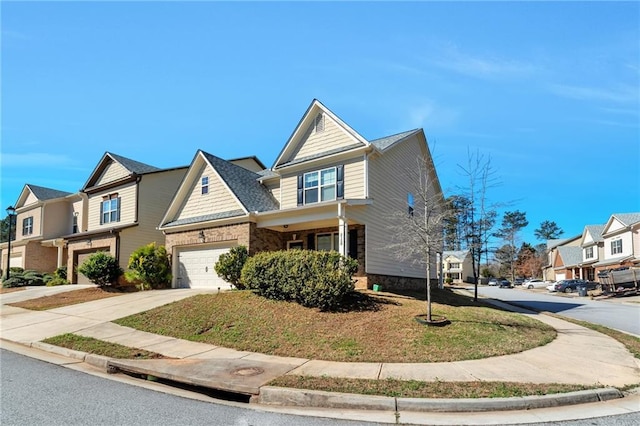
(68, 298)
(378, 327)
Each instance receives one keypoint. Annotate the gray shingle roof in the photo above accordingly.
(253, 195)
(571, 255)
(596, 232)
(44, 194)
(387, 141)
(266, 173)
(459, 254)
(627, 218)
(132, 165)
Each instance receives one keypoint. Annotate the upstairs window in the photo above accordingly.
(410, 204)
(204, 184)
(320, 186)
(110, 209)
(27, 225)
(75, 223)
(616, 246)
(588, 253)
(319, 123)
(454, 265)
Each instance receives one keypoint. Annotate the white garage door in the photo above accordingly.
(195, 268)
(16, 261)
(562, 276)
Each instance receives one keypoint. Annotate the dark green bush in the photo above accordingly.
(149, 267)
(21, 278)
(101, 269)
(311, 278)
(229, 266)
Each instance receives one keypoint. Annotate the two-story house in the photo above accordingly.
(563, 256)
(457, 266)
(329, 189)
(118, 210)
(621, 242)
(592, 245)
(44, 215)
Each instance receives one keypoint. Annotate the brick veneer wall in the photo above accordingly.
(40, 258)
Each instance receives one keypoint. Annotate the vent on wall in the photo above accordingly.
(319, 124)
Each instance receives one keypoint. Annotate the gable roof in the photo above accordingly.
(626, 219)
(595, 231)
(312, 111)
(44, 194)
(132, 166)
(244, 185)
(571, 255)
(458, 254)
(41, 193)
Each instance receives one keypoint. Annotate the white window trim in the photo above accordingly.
(616, 243)
(333, 236)
(107, 213)
(319, 187)
(203, 186)
(294, 242)
(27, 226)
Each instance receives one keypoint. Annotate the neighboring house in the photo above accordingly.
(44, 215)
(120, 207)
(457, 265)
(592, 245)
(621, 242)
(567, 262)
(329, 189)
(555, 270)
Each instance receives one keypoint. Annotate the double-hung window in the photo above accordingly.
(110, 209)
(327, 242)
(27, 225)
(616, 246)
(320, 186)
(588, 253)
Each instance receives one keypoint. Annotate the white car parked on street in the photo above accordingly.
(535, 283)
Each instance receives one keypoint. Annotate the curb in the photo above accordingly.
(270, 395)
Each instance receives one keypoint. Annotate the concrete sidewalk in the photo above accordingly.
(577, 356)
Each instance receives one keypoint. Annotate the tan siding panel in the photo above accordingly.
(112, 172)
(127, 194)
(58, 220)
(36, 213)
(218, 200)
(388, 186)
(313, 143)
(31, 199)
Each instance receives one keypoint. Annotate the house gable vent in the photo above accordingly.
(319, 123)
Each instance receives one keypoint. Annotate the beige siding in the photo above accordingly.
(274, 188)
(312, 143)
(112, 172)
(31, 199)
(353, 182)
(58, 220)
(127, 194)
(155, 193)
(78, 206)
(36, 213)
(389, 186)
(218, 200)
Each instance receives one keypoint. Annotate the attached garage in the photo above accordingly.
(561, 276)
(195, 267)
(80, 258)
(15, 261)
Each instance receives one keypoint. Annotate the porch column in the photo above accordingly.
(343, 231)
(60, 245)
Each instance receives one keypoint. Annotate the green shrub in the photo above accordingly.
(55, 281)
(311, 278)
(149, 267)
(61, 272)
(229, 266)
(101, 269)
(21, 278)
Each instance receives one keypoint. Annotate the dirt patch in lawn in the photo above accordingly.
(379, 327)
(4, 290)
(68, 298)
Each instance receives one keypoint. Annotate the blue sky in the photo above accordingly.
(550, 92)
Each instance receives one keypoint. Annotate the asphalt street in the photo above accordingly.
(617, 314)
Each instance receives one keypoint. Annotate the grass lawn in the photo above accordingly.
(100, 347)
(378, 327)
(68, 298)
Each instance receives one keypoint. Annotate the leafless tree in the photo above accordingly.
(481, 216)
(417, 230)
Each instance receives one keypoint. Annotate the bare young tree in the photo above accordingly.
(417, 230)
(481, 215)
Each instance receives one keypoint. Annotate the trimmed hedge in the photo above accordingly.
(311, 278)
